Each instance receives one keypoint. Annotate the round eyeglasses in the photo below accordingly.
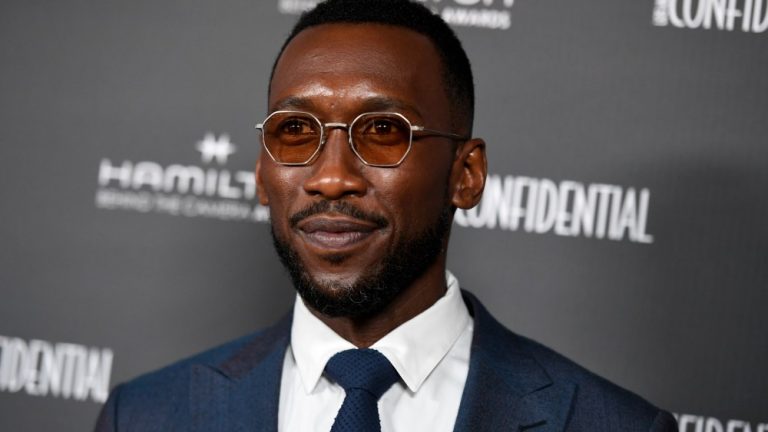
(379, 139)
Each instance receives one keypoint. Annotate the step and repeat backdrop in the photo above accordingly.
(623, 224)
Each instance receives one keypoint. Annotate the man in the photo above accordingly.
(366, 155)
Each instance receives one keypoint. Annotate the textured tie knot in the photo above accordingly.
(363, 369)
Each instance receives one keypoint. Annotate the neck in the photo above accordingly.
(413, 300)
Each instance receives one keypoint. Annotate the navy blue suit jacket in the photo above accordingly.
(513, 384)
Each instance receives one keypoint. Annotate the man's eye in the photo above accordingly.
(381, 127)
(297, 127)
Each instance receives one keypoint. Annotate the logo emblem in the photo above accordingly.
(218, 149)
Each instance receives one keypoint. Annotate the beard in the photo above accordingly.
(408, 259)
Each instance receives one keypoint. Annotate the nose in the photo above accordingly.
(336, 173)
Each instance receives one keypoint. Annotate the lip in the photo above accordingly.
(335, 233)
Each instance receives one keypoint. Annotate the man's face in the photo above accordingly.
(353, 236)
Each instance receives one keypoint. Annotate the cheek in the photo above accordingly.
(281, 187)
(415, 196)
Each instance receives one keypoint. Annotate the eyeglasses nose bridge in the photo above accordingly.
(327, 127)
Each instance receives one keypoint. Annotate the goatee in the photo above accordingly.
(377, 286)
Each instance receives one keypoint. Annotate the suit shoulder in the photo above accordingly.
(168, 385)
(560, 367)
(180, 369)
(161, 398)
(598, 404)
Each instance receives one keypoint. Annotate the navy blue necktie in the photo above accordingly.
(365, 374)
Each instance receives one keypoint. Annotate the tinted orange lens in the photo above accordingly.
(291, 137)
(381, 139)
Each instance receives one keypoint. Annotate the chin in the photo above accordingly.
(370, 287)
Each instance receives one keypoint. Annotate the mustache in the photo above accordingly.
(340, 207)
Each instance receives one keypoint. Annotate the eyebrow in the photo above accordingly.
(374, 103)
(383, 103)
(293, 102)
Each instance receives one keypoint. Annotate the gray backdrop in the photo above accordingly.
(130, 237)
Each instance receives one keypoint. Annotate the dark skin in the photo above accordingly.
(337, 71)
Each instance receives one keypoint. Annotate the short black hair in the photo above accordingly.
(457, 71)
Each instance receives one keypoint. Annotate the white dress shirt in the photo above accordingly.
(430, 352)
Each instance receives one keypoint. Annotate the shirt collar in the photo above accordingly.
(414, 348)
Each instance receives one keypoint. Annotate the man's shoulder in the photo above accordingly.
(162, 397)
(595, 392)
(225, 357)
(595, 403)
(560, 367)
(180, 370)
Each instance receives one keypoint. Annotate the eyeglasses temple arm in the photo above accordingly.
(424, 130)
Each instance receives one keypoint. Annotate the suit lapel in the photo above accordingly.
(506, 388)
(241, 393)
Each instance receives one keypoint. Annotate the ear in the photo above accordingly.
(263, 199)
(468, 174)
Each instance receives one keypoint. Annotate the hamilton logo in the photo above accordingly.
(175, 189)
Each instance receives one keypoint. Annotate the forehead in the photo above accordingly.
(336, 66)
